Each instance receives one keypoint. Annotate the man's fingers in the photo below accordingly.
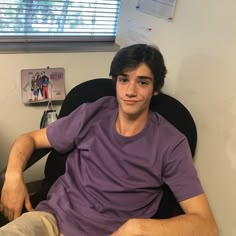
(10, 215)
(16, 214)
(28, 205)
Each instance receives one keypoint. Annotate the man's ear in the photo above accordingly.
(155, 93)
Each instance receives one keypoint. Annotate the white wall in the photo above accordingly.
(15, 118)
(200, 47)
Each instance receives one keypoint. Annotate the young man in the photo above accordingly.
(120, 155)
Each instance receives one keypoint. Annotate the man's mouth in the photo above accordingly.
(130, 101)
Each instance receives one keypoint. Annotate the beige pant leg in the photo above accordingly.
(34, 223)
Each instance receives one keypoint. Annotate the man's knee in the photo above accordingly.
(34, 223)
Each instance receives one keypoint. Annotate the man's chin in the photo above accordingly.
(131, 114)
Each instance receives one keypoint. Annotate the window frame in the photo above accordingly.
(42, 44)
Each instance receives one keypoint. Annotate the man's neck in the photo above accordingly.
(130, 126)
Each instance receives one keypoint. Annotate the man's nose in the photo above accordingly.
(131, 89)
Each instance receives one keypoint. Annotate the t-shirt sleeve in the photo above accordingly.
(63, 132)
(179, 172)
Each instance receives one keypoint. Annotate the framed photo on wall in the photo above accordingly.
(42, 85)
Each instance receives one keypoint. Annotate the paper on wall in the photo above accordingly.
(137, 33)
(159, 8)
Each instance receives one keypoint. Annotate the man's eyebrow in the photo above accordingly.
(122, 74)
(142, 77)
(145, 77)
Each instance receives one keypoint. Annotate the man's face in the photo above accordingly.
(134, 90)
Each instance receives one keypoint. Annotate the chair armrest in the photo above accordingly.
(36, 156)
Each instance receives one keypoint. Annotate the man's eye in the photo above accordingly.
(143, 83)
(123, 80)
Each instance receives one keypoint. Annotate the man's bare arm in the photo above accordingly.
(14, 193)
(198, 220)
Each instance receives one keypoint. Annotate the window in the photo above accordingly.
(60, 21)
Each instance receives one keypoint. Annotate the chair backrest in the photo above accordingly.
(170, 108)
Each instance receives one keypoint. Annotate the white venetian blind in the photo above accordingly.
(58, 20)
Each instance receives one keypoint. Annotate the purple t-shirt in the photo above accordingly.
(110, 178)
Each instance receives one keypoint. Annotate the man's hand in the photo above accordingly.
(14, 192)
(129, 228)
(14, 195)
(197, 220)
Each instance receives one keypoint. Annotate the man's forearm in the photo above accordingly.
(14, 193)
(22, 149)
(183, 225)
(20, 153)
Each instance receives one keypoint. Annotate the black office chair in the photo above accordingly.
(91, 90)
